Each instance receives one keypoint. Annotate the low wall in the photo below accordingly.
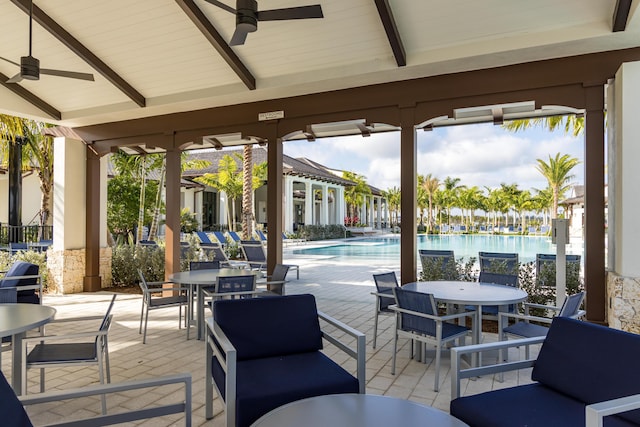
(623, 311)
(67, 270)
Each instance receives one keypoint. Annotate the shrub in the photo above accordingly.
(38, 258)
(435, 269)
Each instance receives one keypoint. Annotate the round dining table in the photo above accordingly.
(477, 294)
(195, 280)
(15, 321)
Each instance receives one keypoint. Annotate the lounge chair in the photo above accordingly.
(286, 239)
(261, 236)
(222, 239)
(234, 236)
(256, 258)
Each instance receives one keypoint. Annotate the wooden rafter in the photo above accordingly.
(30, 97)
(79, 49)
(213, 36)
(621, 15)
(386, 16)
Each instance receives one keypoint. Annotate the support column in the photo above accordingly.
(594, 272)
(379, 213)
(324, 206)
(287, 203)
(308, 203)
(275, 200)
(371, 221)
(623, 282)
(92, 280)
(172, 234)
(15, 190)
(340, 205)
(408, 205)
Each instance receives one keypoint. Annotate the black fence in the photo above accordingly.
(24, 233)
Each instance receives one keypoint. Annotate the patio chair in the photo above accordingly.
(438, 264)
(234, 236)
(523, 328)
(498, 262)
(215, 250)
(491, 311)
(15, 247)
(236, 286)
(548, 261)
(256, 258)
(275, 283)
(57, 350)
(263, 353)
(24, 276)
(385, 283)
(204, 265)
(417, 319)
(150, 302)
(14, 414)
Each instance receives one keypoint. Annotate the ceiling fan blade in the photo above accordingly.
(15, 79)
(239, 36)
(69, 74)
(302, 12)
(9, 61)
(222, 6)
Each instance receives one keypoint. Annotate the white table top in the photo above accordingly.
(209, 277)
(356, 410)
(471, 293)
(17, 318)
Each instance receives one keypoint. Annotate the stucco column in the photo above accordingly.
(408, 186)
(172, 218)
(379, 212)
(308, 203)
(324, 206)
(623, 282)
(371, 221)
(275, 204)
(288, 204)
(340, 205)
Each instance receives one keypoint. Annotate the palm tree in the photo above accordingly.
(572, 124)
(354, 195)
(451, 191)
(523, 202)
(470, 199)
(430, 184)
(542, 202)
(556, 171)
(247, 191)
(393, 200)
(509, 194)
(422, 200)
(229, 180)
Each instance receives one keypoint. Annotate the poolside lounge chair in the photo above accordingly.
(261, 236)
(222, 239)
(234, 236)
(256, 258)
(286, 239)
(204, 238)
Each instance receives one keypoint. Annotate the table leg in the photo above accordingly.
(189, 308)
(16, 368)
(200, 308)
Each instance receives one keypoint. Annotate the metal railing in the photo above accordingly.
(24, 233)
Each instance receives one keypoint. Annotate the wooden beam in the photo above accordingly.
(213, 36)
(79, 49)
(30, 97)
(386, 16)
(621, 15)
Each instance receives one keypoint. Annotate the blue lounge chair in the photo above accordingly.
(204, 238)
(261, 236)
(234, 236)
(222, 239)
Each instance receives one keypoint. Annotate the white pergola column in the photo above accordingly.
(324, 206)
(223, 206)
(308, 203)
(288, 204)
(379, 213)
(340, 203)
(371, 221)
(363, 211)
(623, 282)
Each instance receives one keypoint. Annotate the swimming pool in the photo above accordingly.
(463, 245)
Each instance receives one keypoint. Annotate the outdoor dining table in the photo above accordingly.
(196, 280)
(477, 294)
(15, 321)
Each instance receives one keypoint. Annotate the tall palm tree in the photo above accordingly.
(523, 202)
(430, 184)
(510, 193)
(393, 201)
(470, 200)
(572, 124)
(557, 172)
(451, 192)
(354, 195)
(229, 180)
(247, 191)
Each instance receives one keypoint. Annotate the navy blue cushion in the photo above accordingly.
(265, 384)
(266, 327)
(22, 268)
(589, 362)
(13, 413)
(531, 405)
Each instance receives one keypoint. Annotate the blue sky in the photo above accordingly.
(480, 154)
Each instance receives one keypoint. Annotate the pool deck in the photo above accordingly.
(342, 290)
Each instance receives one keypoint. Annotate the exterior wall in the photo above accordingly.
(31, 198)
(624, 302)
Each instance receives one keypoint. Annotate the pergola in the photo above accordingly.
(167, 80)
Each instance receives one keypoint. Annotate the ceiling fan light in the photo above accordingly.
(247, 27)
(30, 68)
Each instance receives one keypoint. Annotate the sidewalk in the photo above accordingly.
(342, 290)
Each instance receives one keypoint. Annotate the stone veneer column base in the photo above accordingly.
(67, 270)
(624, 302)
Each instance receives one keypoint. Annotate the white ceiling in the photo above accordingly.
(157, 49)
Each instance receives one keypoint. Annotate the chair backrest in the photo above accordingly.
(267, 327)
(18, 246)
(279, 273)
(204, 265)
(498, 278)
(385, 284)
(20, 268)
(571, 305)
(220, 236)
(544, 261)
(143, 283)
(204, 238)
(261, 235)
(106, 321)
(438, 264)
(253, 251)
(12, 410)
(419, 302)
(217, 251)
(498, 262)
(8, 295)
(245, 283)
(234, 236)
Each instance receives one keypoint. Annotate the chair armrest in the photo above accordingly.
(457, 373)
(359, 354)
(542, 306)
(595, 413)
(220, 346)
(124, 417)
(432, 317)
(91, 334)
(379, 294)
(525, 317)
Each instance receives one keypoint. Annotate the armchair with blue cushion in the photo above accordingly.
(262, 353)
(25, 277)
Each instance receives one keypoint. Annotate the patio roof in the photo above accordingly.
(153, 57)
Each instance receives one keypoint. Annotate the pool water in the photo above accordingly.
(463, 245)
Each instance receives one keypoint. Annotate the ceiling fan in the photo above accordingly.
(30, 66)
(248, 15)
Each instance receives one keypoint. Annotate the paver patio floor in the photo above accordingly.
(342, 290)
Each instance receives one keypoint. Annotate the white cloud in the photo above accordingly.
(482, 155)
